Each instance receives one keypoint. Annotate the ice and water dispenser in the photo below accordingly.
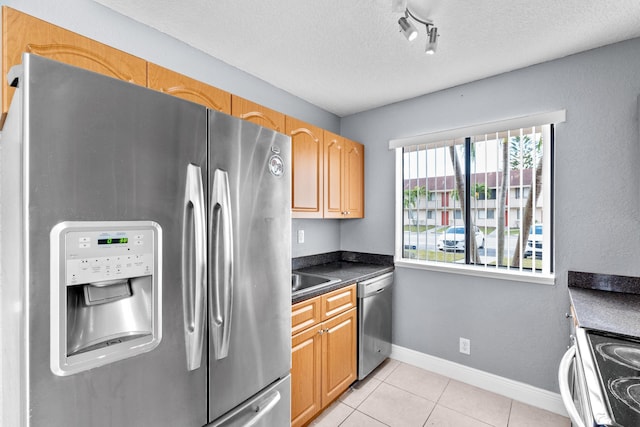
(106, 291)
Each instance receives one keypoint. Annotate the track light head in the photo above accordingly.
(432, 41)
(407, 29)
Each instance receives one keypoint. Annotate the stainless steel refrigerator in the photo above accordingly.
(145, 258)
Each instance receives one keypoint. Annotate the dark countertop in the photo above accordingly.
(606, 302)
(347, 272)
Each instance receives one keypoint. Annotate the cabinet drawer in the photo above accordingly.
(305, 314)
(337, 301)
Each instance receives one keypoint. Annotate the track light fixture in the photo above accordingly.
(409, 30)
(432, 41)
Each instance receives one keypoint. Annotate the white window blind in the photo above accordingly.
(497, 183)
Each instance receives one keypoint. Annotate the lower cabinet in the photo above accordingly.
(323, 359)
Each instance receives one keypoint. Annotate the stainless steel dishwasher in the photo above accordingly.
(374, 322)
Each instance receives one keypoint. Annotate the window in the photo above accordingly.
(489, 194)
(509, 174)
(486, 214)
(524, 191)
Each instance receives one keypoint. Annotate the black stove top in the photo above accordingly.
(618, 363)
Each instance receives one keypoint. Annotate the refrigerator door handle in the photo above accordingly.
(194, 266)
(221, 273)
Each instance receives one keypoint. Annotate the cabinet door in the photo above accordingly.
(173, 83)
(306, 183)
(306, 383)
(353, 180)
(334, 149)
(338, 355)
(257, 114)
(24, 33)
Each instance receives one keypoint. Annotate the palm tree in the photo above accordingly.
(523, 153)
(459, 195)
(528, 217)
(502, 202)
(412, 197)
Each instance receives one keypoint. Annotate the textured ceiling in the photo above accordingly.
(347, 56)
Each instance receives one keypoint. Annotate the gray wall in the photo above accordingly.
(320, 236)
(517, 330)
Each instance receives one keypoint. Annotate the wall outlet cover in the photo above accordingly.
(465, 345)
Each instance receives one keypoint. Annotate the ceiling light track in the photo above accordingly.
(410, 31)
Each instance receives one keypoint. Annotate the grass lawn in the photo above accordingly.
(439, 256)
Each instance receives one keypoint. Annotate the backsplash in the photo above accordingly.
(326, 258)
(604, 282)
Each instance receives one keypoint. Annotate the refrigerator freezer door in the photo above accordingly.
(270, 408)
(99, 149)
(256, 163)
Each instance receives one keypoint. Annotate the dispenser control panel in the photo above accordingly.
(106, 292)
(98, 255)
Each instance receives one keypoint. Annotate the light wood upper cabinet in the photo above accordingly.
(343, 177)
(334, 146)
(24, 33)
(184, 87)
(353, 193)
(257, 114)
(307, 184)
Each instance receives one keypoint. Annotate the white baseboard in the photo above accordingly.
(515, 390)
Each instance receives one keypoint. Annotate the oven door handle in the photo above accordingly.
(565, 391)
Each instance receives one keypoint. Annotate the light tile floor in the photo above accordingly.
(401, 395)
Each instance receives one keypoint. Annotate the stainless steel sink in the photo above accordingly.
(300, 281)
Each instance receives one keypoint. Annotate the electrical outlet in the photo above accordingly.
(465, 345)
(300, 236)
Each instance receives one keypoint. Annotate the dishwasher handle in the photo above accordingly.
(375, 285)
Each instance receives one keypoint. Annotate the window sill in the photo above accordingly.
(470, 270)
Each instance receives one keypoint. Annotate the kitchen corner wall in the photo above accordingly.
(517, 330)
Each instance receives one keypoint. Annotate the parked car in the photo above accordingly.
(534, 239)
(453, 239)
